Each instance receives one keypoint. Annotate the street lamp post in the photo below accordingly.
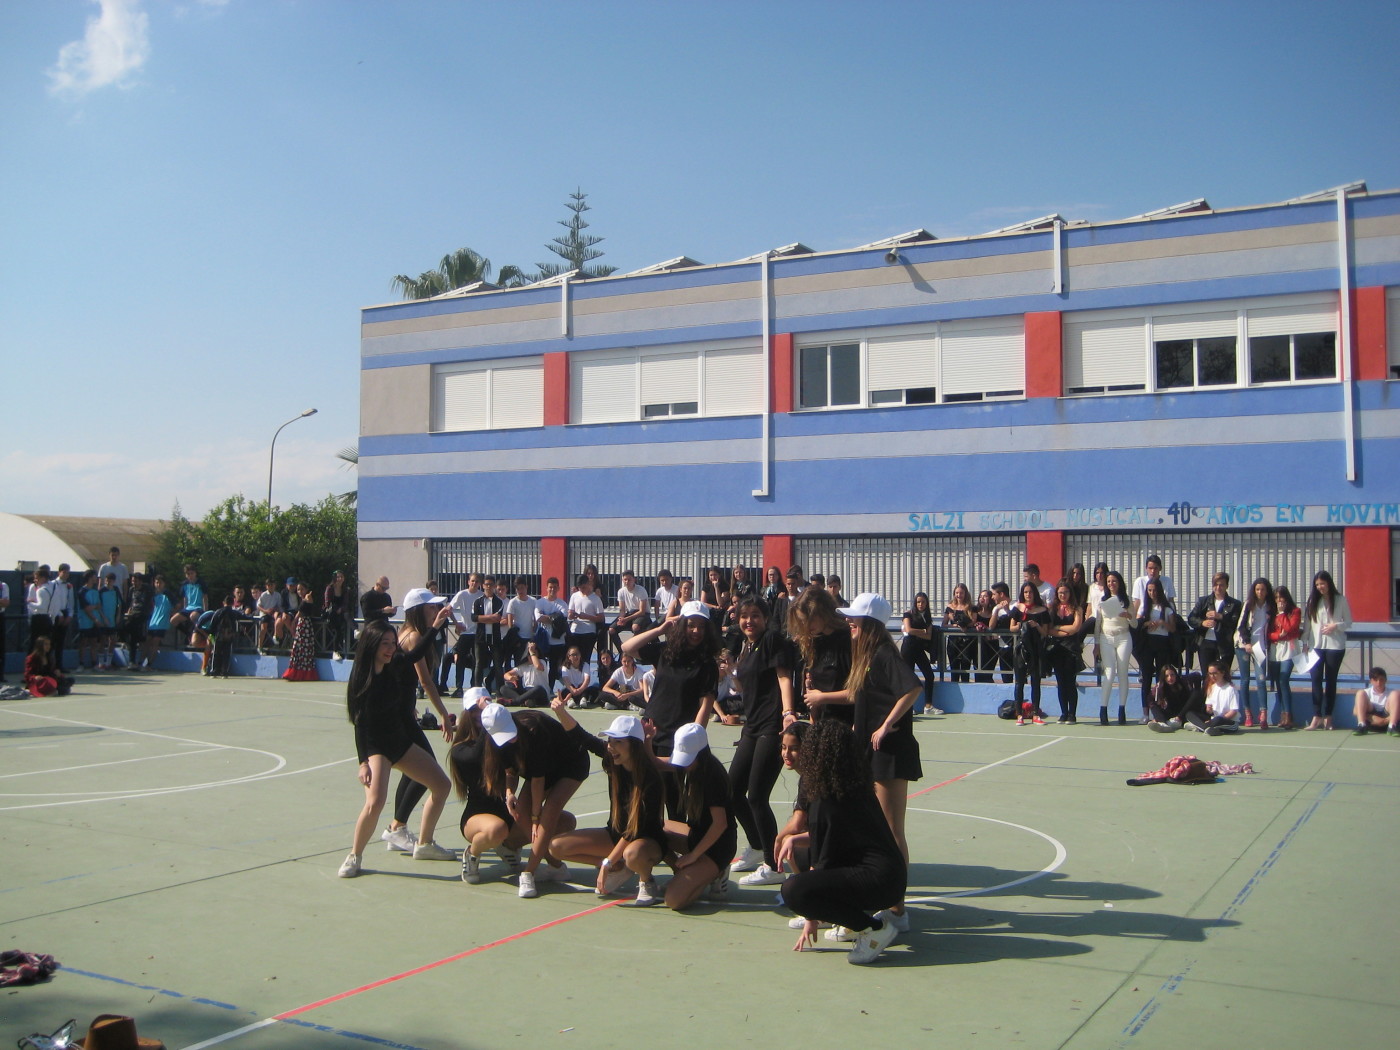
(272, 452)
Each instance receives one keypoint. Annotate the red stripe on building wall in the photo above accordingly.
(1368, 333)
(1044, 367)
(777, 550)
(1046, 549)
(554, 561)
(1369, 573)
(556, 389)
(781, 372)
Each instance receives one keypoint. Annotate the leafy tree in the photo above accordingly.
(576, 248)
(238, 542)
(351, 456)
(457, 270)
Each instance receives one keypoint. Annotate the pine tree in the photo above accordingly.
(576, 248)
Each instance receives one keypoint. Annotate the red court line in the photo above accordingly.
(945, 783)
(441, 962)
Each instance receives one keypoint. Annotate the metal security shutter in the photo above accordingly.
(684, 557)
(898, 567)
(1190, 559)
(1105, 355)
(670, 378)
(462, 399)
(450, 562)
(1212, 325)
(902, 364)
(603, 388)
(1319, 315)
(517, 396)
(733, 382)
(983, 360)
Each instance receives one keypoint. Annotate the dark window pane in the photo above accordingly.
(845, 374)
(1174, 364)
(653, 411)
(921, 395)
(1215, 361)
(887, 397)
(813, 380)
(1268, 359)
(685, 408)
(1316, 356)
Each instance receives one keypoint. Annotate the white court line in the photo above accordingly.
(114, 762)
(232, 1035)
(1061, 854)
(1150, 738)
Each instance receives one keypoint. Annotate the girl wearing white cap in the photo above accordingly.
(635, 837)
(857, 867)
(553, 765)
(884, 689)
(706, 840)
(379, 702)
(479, 771)
(686, 675)
(765, 680)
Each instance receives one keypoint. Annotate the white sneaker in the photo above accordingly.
(797, 922)
(718, 890)
(763, 875)
(899, 922)
(839, 933)
(747, 860)
(870, 943)
(400, 839)
(647, 894)
(615, 881)
(432, 851)
(337, 657)
(547, 872)
(527, 885)
(471, 867)
(350, 867)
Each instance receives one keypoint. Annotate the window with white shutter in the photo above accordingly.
(983, 363)
(733, 381)
(488, 395)
(603, 387)
(903, 371)
(670, 385)
(1103, 357)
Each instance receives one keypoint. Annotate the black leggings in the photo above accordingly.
(752, 774)
(409, 791)
(1154, 652)
(915, 653)
(1324, 681)
(842, 896)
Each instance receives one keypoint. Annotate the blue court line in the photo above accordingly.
(1170, 985)
(361, 1036)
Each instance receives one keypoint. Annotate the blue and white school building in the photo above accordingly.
(1218, 386)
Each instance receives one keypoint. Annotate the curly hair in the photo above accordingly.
(812, 614)
(834, 765)
(680, 653)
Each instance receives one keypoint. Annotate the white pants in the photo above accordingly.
(1114, 654)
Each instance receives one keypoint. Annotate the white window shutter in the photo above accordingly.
(1213, 325)
(670, 378)
(982, 360)
(603, 389)
(517, 396)
(463, 397)
(1105, 353)
(733, 382)
(1296, 319)
(902, 364)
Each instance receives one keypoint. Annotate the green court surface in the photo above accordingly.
(174, 840)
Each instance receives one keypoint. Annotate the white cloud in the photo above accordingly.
(114, 48)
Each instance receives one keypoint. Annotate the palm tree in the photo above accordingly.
(457, 270)
(351, 455)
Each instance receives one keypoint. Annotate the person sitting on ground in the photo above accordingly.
(41, 675)
(623, 689)
(1177, 699)
(1377, 707)
(1222, 701)
(575, 685)
(527, 683)
(729, 699)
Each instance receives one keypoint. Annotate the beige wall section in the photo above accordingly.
(405, 562)
(395, 400)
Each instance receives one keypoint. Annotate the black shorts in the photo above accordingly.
(492, 806)
(575, 768)
(615, 836)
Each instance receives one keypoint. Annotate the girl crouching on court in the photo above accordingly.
(634, 840)
(380, 705)
(479, 767)
(858, 869)
(705, 842)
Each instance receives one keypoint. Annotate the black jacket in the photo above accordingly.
(1225, 624)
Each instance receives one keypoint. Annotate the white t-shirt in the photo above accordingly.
(269, 602)
(531, 676)
(572, 677)
(1140, 590)
(664, 597)
(522, 615)
(545, 610)
(1223, 701)
(581, 604)
(631, 601)
(1377, 699)
(119, 570)
(623, 684)
(1047, 593)
(461, 604)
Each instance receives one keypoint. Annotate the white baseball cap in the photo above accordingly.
(699, 609)
(625, 726)
(421, 596)
(868, 604)
(497, 721)
(474, 696)
(689, 741)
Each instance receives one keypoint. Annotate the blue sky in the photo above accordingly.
(199, 196)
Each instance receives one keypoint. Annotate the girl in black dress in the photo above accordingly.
(634, 840)
(686, 674)
(380, 705)
(552, 764)
(858, 869)
(480, 768)
(1031, 621)
(916, 644)
(704, 840)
